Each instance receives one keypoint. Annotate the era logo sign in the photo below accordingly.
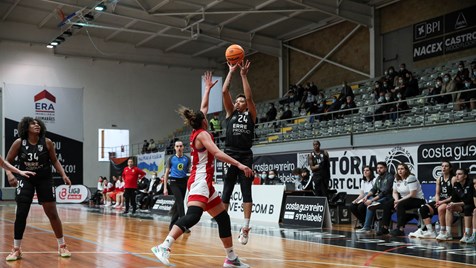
(41, 106)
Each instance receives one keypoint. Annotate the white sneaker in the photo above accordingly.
(14, 255)
(418, 233)
(363, 230)
(162, 253)
(108, 204)
(465, 238)
(243, 237)
(472, 239)
(234, 263)
(444, 237)
(428, 234)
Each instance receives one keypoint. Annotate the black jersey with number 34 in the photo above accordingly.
(34, 157)
(240, 131)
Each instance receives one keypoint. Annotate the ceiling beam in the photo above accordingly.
(142, 4)
(112, 35)
(226, 12)
(49, 16)
(10, 10)
(159, 5)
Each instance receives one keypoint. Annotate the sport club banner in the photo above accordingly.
(452, 32)
(117, 165)
(153, 162)
(61, 109)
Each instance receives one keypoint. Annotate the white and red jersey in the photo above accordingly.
(202, 160)
(201, 176)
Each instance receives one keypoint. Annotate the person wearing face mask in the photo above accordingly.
(403, 70)
(411, 88)
(272, 177)
(400, 87)
(461, 75)
(390, 77)
(264, 177)
(435, 92)
(467, 98)
(287, 113)
(345, 91)
(448, 86)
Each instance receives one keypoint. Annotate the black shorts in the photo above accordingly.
(26, 188)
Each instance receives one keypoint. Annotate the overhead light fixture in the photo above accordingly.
(54, 43)
(50, 46)
(59, 39)
(67, 33)
(100, 7)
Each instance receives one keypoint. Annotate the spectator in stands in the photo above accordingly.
(313, 88)
(289, 96)
(145, 147)
(407, 194)
(462, 200)
(467, 98)
(390, 76)
(381, 108)
(434, 92)
(472, 72)
(403, 70)
(308, 99)
(444, 189)
(448, 86)
(379, 90)
(399, 87)
(264, 177)
(287, 113)
(348, 106)
(111, 187)
(345, 91)
(256, 177)
(411, 83)
(272, 177)
(119, 191)
(380, 196)
(358, 207)
(152, 147)
(215, 125)
(461, 75)
(401, 107)
(270, 114)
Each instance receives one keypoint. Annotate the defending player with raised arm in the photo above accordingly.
(240, 132)
(202, 194)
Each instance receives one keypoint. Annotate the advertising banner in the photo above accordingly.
(163, 204)
(75, 194)
(310, 211)
(267, 201)
(61, 109)
(153, 162)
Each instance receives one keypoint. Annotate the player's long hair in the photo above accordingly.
(191, 118)
(25, 124)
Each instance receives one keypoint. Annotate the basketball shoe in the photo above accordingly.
(234, 263)
(162, 253)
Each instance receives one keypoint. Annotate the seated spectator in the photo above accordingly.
(272, 177)
(467, 98)
(399, 88)
(296, 179)
(105, 183)
(156, 189)
(287, 113)
(270, 114)
(348, 106)
(461, 75)
(145, 147)
(111, 186)
(462, 200)
(358, 207)
(434, 92)
(98, 197)
(289, 96)
(448, 86)
(472, 72)
(119, 190)
(444, 189)
(256, 178)
(335, 106)
(308, 99)
(345, 92)
(403, 70)
(306, 179)
(401, 107)
(380, 196)
(407, 194)
(313, 88)
(380, 112)
(152, 148)
(379, 90)
(143, 189)
(389, 76)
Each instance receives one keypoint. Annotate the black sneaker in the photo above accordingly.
(397, 232)
(382, 231)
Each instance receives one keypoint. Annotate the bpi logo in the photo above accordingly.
(44, 106)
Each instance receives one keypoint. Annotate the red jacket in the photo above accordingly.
(131, 175)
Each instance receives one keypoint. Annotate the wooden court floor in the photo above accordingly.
(99, 237)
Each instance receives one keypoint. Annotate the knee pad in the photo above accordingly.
(424, 212)
(192, 217)
(224, 224)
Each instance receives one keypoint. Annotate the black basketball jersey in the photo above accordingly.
(324, 164)
(35, 157)
(446, 189)
(240, 131)
(463, 193)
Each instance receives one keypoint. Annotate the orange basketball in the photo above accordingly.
(234, 54)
